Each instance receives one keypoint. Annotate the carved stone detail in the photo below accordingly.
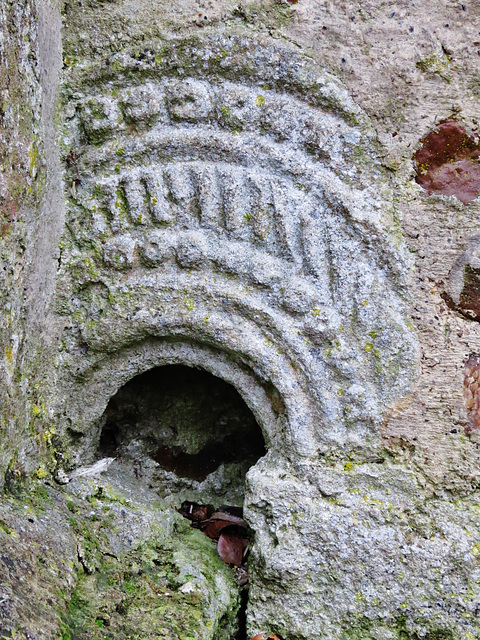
(233, 211)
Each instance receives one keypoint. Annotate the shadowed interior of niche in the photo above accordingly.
(190, 422)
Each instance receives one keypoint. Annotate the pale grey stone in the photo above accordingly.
(222, 201)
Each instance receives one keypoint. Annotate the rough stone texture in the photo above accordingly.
(240, 197)
(31, 219)
(103, 559)
(20, 174)
(199, 212)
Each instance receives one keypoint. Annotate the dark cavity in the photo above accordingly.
(187, 420)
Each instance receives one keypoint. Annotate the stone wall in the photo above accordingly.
(30, 188)
(238, 194)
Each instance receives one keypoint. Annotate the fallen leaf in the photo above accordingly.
(231, 546)
(197, 513)
(230, 517)
(218, 521)
(212, 529)
(224, 525)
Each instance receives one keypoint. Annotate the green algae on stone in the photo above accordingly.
(391, 629)
(171, 590)
(90, 564)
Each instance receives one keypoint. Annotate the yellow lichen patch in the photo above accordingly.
(36, 410)
(41, 472)
(33, 156)
(9, 354)
(48, 435)
(189, 303)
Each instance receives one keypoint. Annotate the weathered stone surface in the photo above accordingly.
(360, 553)
(462, 287)
(20, 173)
(101, 559)
(240, 197)
(31, 205)
(216, 223)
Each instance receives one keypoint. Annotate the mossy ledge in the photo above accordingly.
(95, 560)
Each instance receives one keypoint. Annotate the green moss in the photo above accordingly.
(274, 14)
(138, 596)
(435, 64)
(364, 628)
(34, 158)
(5, 528)
(189, 303)
(28, 492)
(9, 353)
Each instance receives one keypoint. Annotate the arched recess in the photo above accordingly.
(184, 432)
(272, 407)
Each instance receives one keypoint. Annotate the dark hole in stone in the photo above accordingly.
(191, 423)
(469, 300)
(469, 304)
(109, 439)
(199, 465)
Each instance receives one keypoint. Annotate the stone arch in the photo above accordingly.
(239, 211)
(283, 423)
(185, 432)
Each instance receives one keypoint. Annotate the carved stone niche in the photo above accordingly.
(226, 212)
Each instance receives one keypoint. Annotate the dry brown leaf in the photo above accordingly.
(195, 512)
(231, 547)
(223, 515)
(219, 520)
(213, 528)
